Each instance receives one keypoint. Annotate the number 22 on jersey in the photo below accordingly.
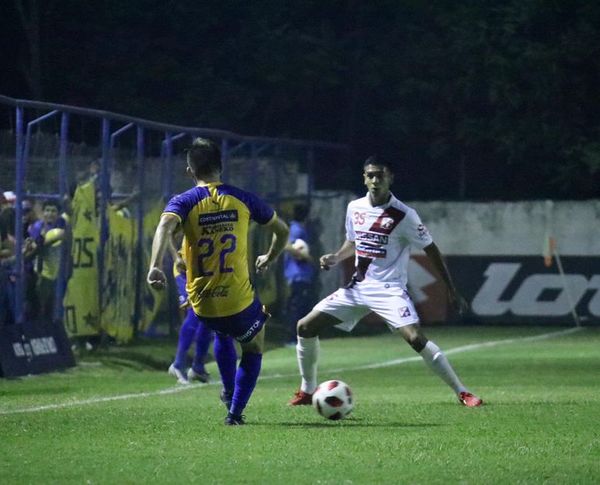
(208, 251)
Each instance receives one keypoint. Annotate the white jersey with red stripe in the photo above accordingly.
(383, 236)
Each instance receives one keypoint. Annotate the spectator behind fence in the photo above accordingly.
(299, 271)
(8, 276)
(47, 235)
(7, 251)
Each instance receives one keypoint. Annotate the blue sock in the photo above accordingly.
(226, 358)
(186, 335)
(204, 337)
(245, 381)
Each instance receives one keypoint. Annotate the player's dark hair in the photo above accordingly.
(52, 203)
(374, 160)
(204, 157)
(300, 212)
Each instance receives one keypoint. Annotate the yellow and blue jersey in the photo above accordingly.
(215, 219)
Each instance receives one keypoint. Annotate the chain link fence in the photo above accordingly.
(47, 151)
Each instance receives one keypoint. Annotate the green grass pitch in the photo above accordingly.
(119, 418)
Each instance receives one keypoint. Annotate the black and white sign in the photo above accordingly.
(505, 289)
(34, 348)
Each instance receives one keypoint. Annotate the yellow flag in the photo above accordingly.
(81, 304)
(118, 287)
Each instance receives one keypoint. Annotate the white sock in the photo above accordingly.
(307, 351)
(438, 363)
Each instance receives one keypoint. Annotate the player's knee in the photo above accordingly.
(418, 343)
(416, 340)
(305, 328)
(253, 347)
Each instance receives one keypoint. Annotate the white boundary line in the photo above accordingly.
(389, 363)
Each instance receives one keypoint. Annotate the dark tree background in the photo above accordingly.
(472, 99)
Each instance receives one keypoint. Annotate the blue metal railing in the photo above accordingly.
(230, 144)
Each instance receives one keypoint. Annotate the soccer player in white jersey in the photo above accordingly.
(380, 230)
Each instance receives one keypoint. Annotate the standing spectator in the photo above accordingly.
(32, 303)
(215, 219)
(299, 271)
(48, 235)
(8, 276)
(7, 251)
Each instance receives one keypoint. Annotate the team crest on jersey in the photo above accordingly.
(404, 312)
(422, 231)
(387, 220)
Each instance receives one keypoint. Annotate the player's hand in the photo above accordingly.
(262, 263)
(180, 265)
(458, 303)
(327, 261)
(156, 278)
(29, 247)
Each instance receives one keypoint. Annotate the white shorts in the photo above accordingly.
(388, 300)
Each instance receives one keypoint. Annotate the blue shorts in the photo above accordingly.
(242, 326)
(182, 296)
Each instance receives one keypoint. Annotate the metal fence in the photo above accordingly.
(45, 149)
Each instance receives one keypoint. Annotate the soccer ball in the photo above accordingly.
(333, 400)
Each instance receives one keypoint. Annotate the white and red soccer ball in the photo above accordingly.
(333, 400)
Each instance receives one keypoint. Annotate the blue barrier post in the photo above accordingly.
(140, 272)
(19, 229)
(20, 177)
(105, 194)
(63, 190)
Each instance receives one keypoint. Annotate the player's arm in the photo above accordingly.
(175, 255)
(346, 251)
(162, 238)
(281, 232)
(435, 256)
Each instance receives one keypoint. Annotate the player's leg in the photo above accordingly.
(203, 339)
(186, 337)
(437, 361)
(246, 376)
(299, 304)
(307, 352)
(395, 306)
(344, 305)
(247, 327)
(226, 358)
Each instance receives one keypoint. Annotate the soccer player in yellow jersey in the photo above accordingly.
(215, 218)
